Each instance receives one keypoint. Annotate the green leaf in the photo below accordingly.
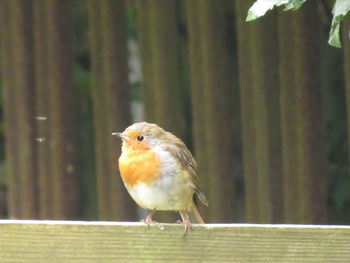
(340, 9)
(260, 7)
(293, 4)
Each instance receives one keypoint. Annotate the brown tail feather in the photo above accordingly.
(196, 214)
(202, 198)
(193, 215)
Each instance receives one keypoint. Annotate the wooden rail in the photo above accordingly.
(76, 241)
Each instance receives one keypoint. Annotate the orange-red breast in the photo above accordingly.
(159, 171)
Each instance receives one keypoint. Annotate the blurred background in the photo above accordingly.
(262, 105)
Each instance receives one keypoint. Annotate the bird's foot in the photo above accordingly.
(148, 220)
(187, 225)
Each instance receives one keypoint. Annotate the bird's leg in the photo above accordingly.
(148, 220)
(185, 220)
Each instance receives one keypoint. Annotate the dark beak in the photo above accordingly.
(120, 135)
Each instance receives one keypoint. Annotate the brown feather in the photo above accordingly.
(179, 150)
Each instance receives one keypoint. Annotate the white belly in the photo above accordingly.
(165, 193)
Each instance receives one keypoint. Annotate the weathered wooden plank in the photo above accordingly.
(74, 241)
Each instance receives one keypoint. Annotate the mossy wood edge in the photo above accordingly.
(77, 241)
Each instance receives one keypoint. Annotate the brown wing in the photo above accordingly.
(179, 150)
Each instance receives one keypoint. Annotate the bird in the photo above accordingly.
(159, 172)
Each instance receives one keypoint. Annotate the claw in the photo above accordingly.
(148, 220)
(185, 221)
(187, 225)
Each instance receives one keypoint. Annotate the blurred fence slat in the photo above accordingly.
(168, 90)
(346, 56)
(267, 120)
(42, 109)
(198, 96)
(10, 111)
(110, 103)
(248, 118)
(220, 108)
(257, 45)
(117, 99)
(289, 129)
(25, 100)
(311, 176)
(99, 115)
(21, 123)
(63, 119)
(144, 29)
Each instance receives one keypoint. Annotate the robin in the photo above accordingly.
(159, 172)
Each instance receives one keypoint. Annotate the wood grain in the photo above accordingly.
(74, 241)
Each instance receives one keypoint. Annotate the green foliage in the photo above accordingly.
(260, 7)
(340, 9)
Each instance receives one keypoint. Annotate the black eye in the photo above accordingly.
(139, 138)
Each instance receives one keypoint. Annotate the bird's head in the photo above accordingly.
(141, 136)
